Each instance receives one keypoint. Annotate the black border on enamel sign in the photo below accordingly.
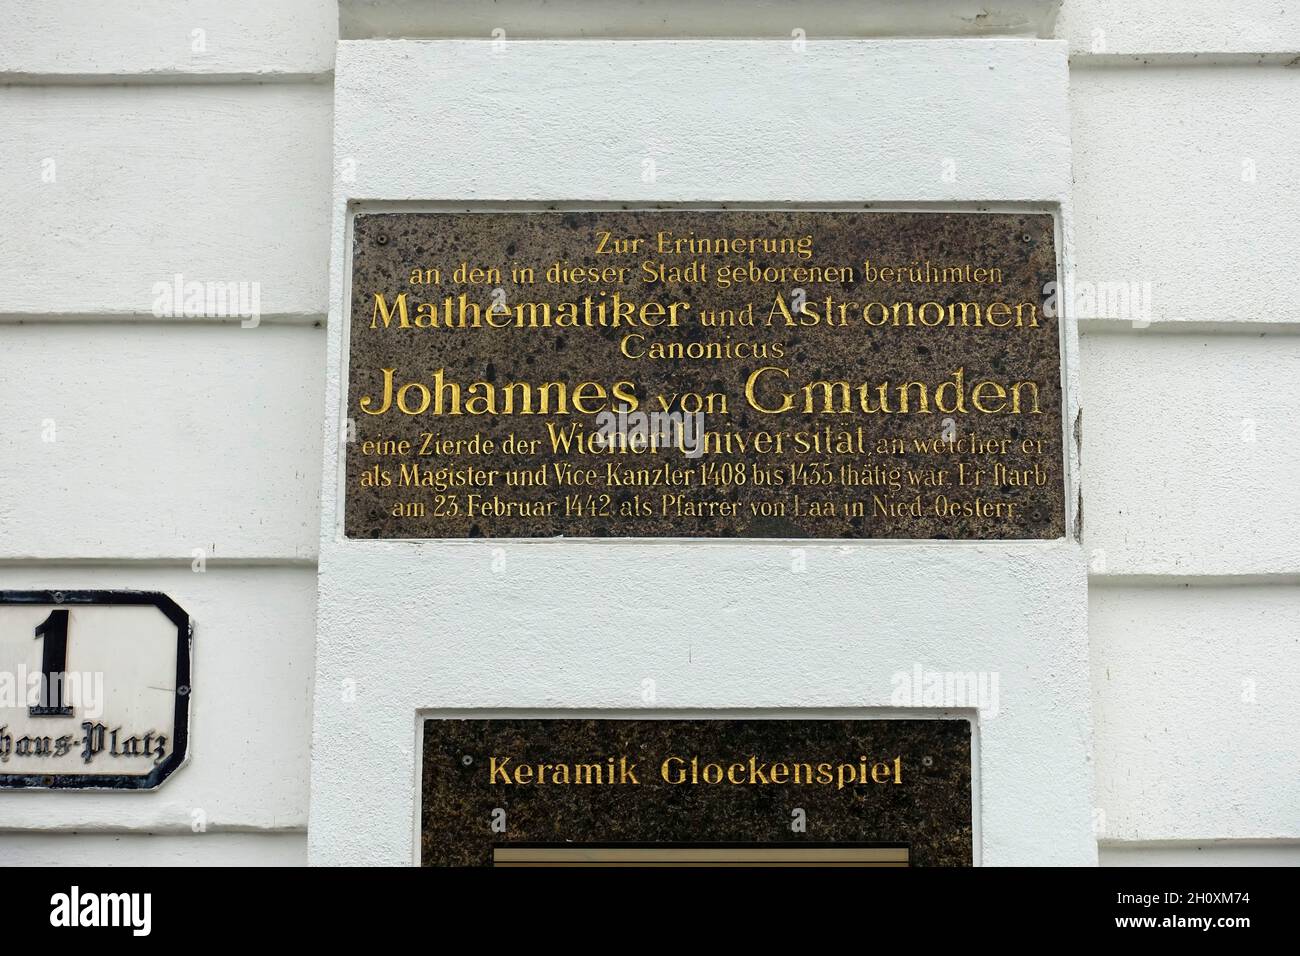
(180, 736)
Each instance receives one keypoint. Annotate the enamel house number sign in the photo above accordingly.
(94, 689)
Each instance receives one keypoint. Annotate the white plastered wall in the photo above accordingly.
(1184, 118)
(407, 628)
(137, 447)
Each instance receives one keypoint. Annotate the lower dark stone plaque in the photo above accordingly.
(732, 792)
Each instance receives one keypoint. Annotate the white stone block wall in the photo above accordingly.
(1185, 116)
(139, 141)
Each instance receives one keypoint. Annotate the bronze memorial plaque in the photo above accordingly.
(704, 373)
(746, 791)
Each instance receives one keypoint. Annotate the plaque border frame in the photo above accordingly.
(1070, 411)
